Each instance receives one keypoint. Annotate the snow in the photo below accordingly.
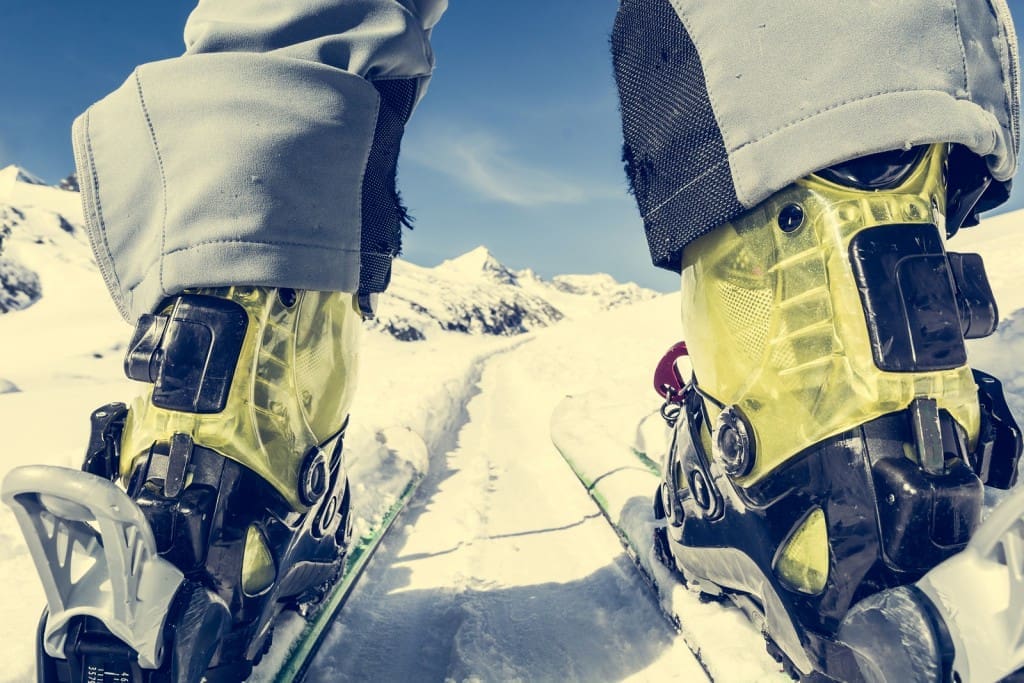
(999, 241)
(14, 174)
(476, 262)
(506, 571)
(502, 568)
(18, 186)
(599, 432)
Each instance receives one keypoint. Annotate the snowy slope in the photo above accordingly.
(19, 285)
(14, 174)
(1000, 241)
(54, 250)
(503, 568)
(22, 188)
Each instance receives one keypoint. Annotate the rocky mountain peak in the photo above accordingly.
(16, 174)
(480, 261)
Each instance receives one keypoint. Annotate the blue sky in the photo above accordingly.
(516, 146)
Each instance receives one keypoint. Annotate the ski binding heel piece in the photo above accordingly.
(980, 594)
(96, 557)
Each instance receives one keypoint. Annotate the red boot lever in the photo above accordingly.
(668, 381)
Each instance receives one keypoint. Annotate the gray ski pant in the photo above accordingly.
(242, 161)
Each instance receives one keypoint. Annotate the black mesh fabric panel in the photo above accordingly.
(673, 149)
(383, 213)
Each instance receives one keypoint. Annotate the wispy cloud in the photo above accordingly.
(487, 164)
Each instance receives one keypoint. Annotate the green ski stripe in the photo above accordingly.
(302, 652)
(648, 463)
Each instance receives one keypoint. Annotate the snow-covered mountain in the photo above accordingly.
(476, 294)
(19, 286)
(41, 236)
(15, 174)
(421, 301)
(473, 293)
(21, 188)
(481, 262)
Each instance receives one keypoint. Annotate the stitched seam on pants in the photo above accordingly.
(960, 44)
(163, 180)
(711, 169)
(840, 105)
(94, 176)
(263, 244)
(1005, 51)
(397, 77)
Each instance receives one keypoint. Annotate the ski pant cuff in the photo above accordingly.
(191, 176)
(221, 264)
(882, 122)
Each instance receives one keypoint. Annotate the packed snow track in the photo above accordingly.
(504, 569)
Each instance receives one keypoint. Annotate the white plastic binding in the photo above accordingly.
(980, 594)
(95, 555)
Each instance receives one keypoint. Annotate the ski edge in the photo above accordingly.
(629, 547)
(305, 647)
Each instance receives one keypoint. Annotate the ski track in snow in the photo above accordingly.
(503, 565)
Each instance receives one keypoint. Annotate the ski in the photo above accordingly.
(402, 451)
(976, 593)
(592, 434)
(304, 648)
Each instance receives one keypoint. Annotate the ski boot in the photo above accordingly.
(831, 449)
(236, 504)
